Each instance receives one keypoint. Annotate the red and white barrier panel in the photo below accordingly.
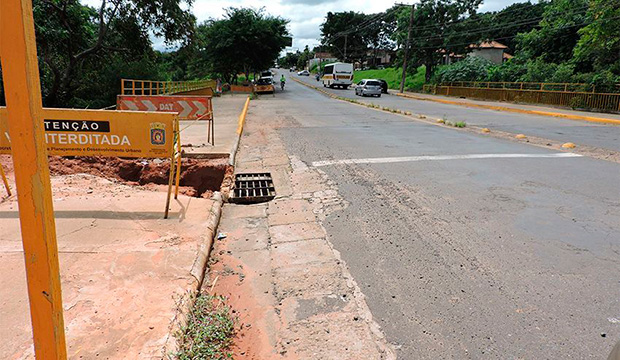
(189, 107)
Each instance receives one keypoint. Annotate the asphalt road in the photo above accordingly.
(495, 258)
(578, 132)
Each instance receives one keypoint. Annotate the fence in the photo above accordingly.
(148, 87)
(567, 95)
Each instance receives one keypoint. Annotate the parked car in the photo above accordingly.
(384, 86)
(304, 73)
(291, 69)
(367, 87)
(266, 77)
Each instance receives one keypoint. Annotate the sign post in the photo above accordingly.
(20, 73)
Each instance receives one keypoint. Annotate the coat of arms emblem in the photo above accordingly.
(158, 134)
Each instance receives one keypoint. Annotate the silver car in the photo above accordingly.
(367, 87)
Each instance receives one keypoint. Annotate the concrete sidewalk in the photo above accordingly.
(226, 114)
(294, 295)
(123, 268)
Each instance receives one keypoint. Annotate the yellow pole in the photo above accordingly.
(170, 178)
(178, 178)
(20, 71)
(5, 181)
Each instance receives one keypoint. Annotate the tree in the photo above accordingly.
(599, 43)
(340, 32)
(305, 55)
(501, 25)
(72, 36)
(431, 30)
(377, 33)
(557, 34)
(289, 60)
(246, 40)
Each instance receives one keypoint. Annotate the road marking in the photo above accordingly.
(440, 157)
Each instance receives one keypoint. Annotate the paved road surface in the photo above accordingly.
(579, 132)
(496, 258)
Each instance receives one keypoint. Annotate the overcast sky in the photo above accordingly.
(305, 15)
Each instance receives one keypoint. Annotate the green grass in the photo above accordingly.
(393, 76)
(209, 331)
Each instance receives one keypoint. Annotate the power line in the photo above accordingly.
(513, 36)
(503, 26)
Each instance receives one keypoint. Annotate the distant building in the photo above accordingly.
(447, 59)
(493, 51)
(321, 57)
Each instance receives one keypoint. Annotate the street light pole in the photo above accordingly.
(404, 77)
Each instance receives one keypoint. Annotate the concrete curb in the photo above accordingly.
(515, 110)
(235, 147)
(186, 301)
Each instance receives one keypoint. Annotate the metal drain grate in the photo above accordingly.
(253, 188)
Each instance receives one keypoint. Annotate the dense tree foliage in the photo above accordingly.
(556, 35)
(79, 45)
(432, 30)
(352, 35)
(553, 41)
(245, 41)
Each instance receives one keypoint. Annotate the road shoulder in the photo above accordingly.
(294, 295)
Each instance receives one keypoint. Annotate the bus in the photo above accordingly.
(338, 75)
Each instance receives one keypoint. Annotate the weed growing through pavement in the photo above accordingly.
(209, 331)
(460, 124)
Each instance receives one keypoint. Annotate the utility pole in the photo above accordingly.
(345, 48)
(404, 77)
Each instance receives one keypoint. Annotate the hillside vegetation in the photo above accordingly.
(392, 76)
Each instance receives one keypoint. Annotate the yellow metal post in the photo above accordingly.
(5, 181)
(178, 176)
(22, 88)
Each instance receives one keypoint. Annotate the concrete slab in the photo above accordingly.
(296, 232)
(122, 268)
(286, 211)
(226, 115)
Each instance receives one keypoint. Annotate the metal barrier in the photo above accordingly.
(536, 86)
(148, 87)
(241, 88)
(574, 99)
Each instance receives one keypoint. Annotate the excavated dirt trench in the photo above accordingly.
(199, 178)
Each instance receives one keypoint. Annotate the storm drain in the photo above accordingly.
(253, 188)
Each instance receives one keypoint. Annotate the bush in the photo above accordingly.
(472, 68)
(509, 71)
(563, 74)
(538, 71)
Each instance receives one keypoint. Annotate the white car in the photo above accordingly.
(304, 73)
(266, 77)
